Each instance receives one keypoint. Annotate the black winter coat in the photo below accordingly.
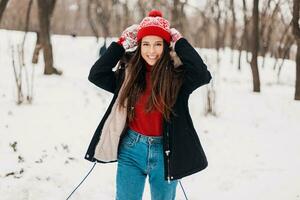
(183, 153)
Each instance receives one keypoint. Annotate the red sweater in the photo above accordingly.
(150, 123)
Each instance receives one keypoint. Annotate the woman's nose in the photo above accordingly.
(152, 49)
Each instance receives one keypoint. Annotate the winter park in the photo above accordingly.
(214, 79)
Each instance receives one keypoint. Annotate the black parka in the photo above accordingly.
(183, 153)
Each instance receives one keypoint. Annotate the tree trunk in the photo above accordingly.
(296, 31)
(38, 47)
(244, 39)
(218, 27)
(176, 16)
(245, 33)
(240, 54)
(45, 10)
(104, 14)
(142, 9)
(262, 27)
(255, 43)
(3, 4)
(297, 90)
(225, 30)
(233, 28)
(90, 19)
(286, 52)
(26, 24)
(268, 31)
(276, 52)
(127, 14)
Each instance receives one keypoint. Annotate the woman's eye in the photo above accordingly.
(145, 44)
(159, 44)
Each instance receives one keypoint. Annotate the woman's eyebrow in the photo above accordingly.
(158, 41)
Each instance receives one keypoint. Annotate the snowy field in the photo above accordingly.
(252, 145)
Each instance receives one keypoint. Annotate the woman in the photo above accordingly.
(147, 127)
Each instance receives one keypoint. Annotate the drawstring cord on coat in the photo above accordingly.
(92, 170)
(183, 190)
(82, 180)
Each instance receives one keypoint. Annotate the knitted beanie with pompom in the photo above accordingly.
(154, 24)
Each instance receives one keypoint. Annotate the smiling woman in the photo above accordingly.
(145, 126)
(152, 48)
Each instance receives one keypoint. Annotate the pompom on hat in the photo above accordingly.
(154, 24)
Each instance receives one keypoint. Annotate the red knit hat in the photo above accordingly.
(154, 24)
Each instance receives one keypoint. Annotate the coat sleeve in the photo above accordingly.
(196, 73)
(101, 73)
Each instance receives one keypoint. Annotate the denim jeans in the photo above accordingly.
(141, 156)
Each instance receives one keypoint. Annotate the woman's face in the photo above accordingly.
(151, 48)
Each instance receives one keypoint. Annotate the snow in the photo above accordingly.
(252, 145)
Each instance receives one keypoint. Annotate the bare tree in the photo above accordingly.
(37, 48)
(255, 47)
(3, 4)
(296, 31)
(18, 77)
(178, 15)
(103, 13)
(45, 10)
(244, 40)
(202, 29)
(233, 28)
(100, 14)
(90, 19)
(126, 14)
(26, 23)
(141, 8)
(225, 25)
(216, 9)
(267, 29)
(263, 22)
(285, 51)
(277, 50)
(232, 7)
(19, 69)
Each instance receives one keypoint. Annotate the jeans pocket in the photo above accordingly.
(128, 141)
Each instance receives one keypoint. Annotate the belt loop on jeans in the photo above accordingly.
(137, 137)
(150, 140)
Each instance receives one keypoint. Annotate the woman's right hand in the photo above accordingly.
(128, 38)
(175, 34)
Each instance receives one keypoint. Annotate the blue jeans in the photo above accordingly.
(138, 157)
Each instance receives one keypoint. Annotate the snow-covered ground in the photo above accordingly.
(253, 145)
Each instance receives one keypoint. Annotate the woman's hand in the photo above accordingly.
(128, 38)
(175, 34)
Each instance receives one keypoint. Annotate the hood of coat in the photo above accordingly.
(176, 60)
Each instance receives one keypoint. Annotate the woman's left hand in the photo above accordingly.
(175, 34)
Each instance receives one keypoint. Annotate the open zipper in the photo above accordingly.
(167, 152)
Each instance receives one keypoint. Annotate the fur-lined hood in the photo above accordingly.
(175, 58)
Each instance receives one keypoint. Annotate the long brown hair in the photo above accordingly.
(166, 81)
